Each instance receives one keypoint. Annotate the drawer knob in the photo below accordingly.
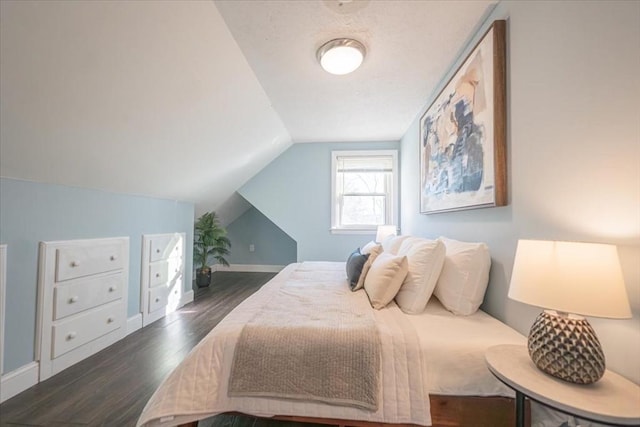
(73, 299)
(157, 251)
(157, 299)
(110, 320)
(70, 336)
(75, 264)
(112, 289)
(113, 258)
(157, 274)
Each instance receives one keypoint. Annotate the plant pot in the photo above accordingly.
(203, 277)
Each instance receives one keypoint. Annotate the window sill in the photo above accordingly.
(353, 231)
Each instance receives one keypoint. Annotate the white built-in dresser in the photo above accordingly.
(161, 275)
(82, 300)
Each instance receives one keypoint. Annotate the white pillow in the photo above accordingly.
(366, 249)
(425, 259)
(385, 278)
(464, 277)
(373, 254)
(392, 243)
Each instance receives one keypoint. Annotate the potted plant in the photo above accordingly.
(209, 241)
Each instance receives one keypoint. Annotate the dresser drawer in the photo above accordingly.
(84, 260)
(85, 327)
(158, 273)
(158, 298)
(165, 247)
(161, 272)
(82, 294)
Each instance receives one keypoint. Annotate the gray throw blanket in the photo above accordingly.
(311, 342)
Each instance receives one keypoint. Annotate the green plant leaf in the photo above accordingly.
(209, 240)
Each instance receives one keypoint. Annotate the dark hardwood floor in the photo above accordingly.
(111, 387)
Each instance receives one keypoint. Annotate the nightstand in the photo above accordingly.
(612, 400)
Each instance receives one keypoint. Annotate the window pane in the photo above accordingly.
(363, 210)
(364, 182)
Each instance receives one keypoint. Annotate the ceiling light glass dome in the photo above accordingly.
(341, 56)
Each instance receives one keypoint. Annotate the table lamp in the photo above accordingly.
(569, 280)
(384, 231)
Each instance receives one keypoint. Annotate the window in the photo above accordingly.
(364, 190)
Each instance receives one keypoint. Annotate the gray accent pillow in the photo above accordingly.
(355, 262)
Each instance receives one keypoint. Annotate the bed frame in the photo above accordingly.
(446, 411)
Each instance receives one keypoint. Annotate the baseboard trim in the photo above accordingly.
(248, 268)
(134, 323)
(187, 297)
(17, 381)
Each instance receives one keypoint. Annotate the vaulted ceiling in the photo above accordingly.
(187, 100)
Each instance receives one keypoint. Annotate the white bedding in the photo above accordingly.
(433, 352)
(455, 347)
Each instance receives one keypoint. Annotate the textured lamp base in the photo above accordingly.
(566, 348)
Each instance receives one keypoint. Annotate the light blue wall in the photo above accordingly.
(33, 212)
(294, 191)
(573, 149)
(272, 245)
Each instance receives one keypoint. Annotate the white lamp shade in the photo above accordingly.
(384, 231)
(580, 278)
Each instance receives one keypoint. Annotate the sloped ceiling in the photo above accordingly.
(150, 98)
(187, 100)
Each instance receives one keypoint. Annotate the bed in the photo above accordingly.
(432, 366)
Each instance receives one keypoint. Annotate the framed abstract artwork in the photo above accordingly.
(463, 133)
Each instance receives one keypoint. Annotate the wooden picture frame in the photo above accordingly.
(463, 133)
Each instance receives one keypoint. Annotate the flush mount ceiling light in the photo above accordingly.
(341, 56)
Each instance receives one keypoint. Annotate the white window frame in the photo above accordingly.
(391, 217)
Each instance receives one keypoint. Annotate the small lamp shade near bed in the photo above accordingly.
(385, 231)
(569, 280)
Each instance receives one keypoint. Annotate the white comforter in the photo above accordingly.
(414, 363)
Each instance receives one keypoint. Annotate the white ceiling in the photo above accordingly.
(410, 45)
(188, 100)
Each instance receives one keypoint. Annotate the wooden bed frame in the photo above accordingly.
(446, 411)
